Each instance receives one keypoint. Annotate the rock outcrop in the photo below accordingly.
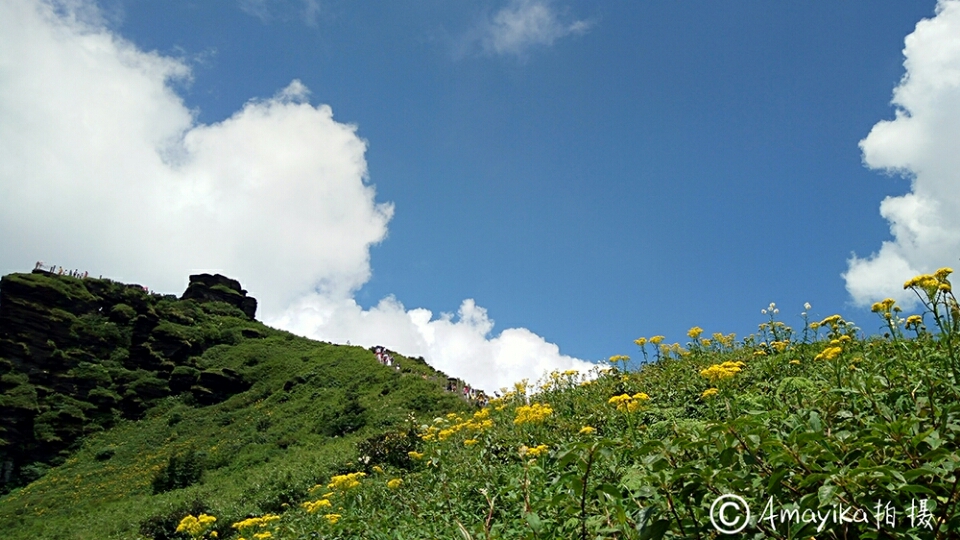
(218, 288)
(75, 354)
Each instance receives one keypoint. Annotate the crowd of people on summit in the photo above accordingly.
(61, 271)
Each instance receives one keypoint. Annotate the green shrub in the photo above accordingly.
(180, 471)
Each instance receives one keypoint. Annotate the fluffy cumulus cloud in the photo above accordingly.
(460, 345)
(920, 142)
(523, 24)
(104, 169)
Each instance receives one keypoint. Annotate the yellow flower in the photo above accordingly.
(196, 526)
(536, 412)
(628, 403)
(914, 321)
(262, 521)
(470, 442)
(656, 340)
(587, 430)
(829, 353)
(534, 452)
(344, 482)
(332, 518)
(310, 507)
(378, 469)
(942, 273)
(617, 400)
(720, 372)
(641, 341)
(709, 392)
(832, 320)
(695, 332)
(263, 535)
(395, 483)
(415, 455)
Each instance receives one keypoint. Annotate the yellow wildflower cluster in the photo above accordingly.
(313, 506)
(832, 321)
(885, 307)
(470, 442)
(675, 348)
(695, 332)
(931, 282)
(724, 340)
(780, 346)
(640, 341)
(833, 349)
(619, 358)
(479, 422)
(196, 526)
(415, 455)
(534, 452)
(721, 372)
(536, 412)
(561, 379)
(656, 340)
(829, 353)
(332, 518)
(343, 482)
(256, 522)
(587, 430)
(914, 321)
(628, 403)
(394, 483)
(709, 392)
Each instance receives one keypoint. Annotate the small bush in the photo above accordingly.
(181, 470)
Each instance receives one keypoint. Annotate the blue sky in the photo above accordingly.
(588, 173)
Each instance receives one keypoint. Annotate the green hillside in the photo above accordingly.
(821, 432)
(125, 410)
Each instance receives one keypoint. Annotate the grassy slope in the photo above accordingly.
(877, 422)
(812, 420)
(261, 448)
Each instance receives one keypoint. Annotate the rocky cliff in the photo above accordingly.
(78, 354)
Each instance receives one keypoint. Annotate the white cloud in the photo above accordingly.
(523, 24)
(921, 144)
(461, 346)
(267, 10)
(255, 8)
(104, 169)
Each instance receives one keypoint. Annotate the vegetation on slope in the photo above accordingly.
(216, 413)
(821, 432)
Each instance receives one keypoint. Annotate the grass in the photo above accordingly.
(799, 424)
